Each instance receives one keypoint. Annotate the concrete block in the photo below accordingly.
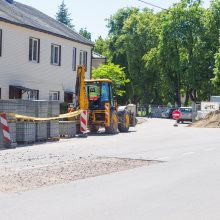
(53, 129)
(67, 128)
(26, 132)
(41, 131)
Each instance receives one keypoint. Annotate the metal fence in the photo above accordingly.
(156, 110)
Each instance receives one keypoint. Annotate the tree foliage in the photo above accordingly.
(114, 73)
(216, 80)
(214, 30)
(63, 15)
(85, 33)
(102, 47)
(170, 56)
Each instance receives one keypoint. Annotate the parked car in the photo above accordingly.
(168, 113)
(186, 114)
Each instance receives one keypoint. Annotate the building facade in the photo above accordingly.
(98, 59)
(38, 55)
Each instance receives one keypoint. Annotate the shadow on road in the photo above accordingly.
(102, 133)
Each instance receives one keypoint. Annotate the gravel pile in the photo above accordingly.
(212, 120)
(32, 172)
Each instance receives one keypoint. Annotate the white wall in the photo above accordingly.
(16, 69)
(97, 62)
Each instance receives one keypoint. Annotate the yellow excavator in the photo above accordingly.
(96, 96)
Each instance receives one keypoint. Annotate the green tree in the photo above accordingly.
(102, 47)
(167, 55)
(85, 33)
(63, 15)
(115, 25)
(182, 48)
(140, 36)
(214, 33)
(114, 73)
(216, 79)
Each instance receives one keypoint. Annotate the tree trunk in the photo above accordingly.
(187, 97)
(193, 95)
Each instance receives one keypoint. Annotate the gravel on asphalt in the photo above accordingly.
(30, 175)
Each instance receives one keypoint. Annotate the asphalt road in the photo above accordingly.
(185, 185)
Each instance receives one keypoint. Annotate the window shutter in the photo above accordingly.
(30, 49)
(85, 59)
(81, 57)
(38, 58)
(74, 59)
(51, 58)
(58, 95)
(0, 43)
(60, 56)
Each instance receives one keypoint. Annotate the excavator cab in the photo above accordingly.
(99, 92)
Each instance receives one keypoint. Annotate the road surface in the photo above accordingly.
(185, 185)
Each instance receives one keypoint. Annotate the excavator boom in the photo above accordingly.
(81, 96)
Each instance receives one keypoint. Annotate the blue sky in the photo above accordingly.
(92, 14)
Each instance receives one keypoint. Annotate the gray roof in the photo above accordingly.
(29, 17)
(97, 56)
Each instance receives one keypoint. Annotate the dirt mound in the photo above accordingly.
(212, 120)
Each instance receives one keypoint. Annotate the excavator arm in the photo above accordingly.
(81, 95)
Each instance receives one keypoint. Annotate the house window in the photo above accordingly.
(83, 58)
(56, 55)
(0, 42)
(74, 59)
(33, 94)
(20, 92)
(34, 50)
(54, 95)
(15, 92)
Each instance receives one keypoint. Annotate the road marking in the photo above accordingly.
(188, 153)
(210, 149)
(163, 158)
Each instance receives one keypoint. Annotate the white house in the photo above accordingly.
(38, 55)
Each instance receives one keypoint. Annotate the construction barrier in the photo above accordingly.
(107, 114)
(5, 129)
(22, 134)
(63, 116)
(83, 121)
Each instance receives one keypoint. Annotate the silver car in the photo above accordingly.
(186, 114)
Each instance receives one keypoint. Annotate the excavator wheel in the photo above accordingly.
(124, 120)
(94, 128)
(113, 128)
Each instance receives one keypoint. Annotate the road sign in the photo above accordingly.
(176, 114)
